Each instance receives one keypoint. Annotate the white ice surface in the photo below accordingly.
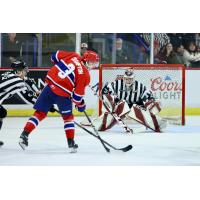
(177, 146)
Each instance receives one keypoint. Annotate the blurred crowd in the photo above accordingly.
(181, 49)
(15, 46)
(169, 48)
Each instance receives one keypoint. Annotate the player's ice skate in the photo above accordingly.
(72, 146)
(23, 140)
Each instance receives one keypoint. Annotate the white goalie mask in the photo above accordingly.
(129, 77)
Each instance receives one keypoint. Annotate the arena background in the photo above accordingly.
(138, 48)
(16, 108)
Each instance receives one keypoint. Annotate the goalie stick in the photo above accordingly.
(115, 116)
(97, 133)
(124, 149)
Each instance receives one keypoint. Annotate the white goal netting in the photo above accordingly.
(167, 83)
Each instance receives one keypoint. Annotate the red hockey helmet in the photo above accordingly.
(91, 59)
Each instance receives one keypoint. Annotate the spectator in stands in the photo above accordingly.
(175, 39)
(191, 55)
(11, 48)
(198, 48)
(167, 55)
(179, 52)
(197, 41)
(121, 52)
(19, 46)
(187, 38)
(84, 48)
(160, 40)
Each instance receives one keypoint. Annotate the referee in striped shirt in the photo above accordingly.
(15, 82)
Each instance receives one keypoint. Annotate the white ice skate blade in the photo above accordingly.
(22, 145)
(72, 150)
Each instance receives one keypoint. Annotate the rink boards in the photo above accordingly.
(19, 109)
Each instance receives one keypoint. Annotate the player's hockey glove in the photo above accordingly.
(81, 107)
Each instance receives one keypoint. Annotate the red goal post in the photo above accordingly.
(166, 81)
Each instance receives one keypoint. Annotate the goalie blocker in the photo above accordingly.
(146, 116)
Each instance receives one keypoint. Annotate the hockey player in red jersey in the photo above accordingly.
(65, 84)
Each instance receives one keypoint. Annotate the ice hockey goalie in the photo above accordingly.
(130, 98)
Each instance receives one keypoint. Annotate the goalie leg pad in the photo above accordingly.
(107, 121)
(109, 101)
(122, 109)
(146, 118)
(153, 106)
(104, 122)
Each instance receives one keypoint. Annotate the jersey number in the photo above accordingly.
(68, 71)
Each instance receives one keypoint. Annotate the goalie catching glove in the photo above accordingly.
(81, 107)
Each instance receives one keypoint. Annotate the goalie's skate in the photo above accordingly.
(1, 143)
(163, 124)
(23, 140)
(72, 146)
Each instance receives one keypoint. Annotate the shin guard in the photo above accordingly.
(34, 121)
(69, 126)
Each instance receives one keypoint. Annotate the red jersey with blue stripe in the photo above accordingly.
(69, 76)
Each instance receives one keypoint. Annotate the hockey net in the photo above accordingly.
(166, 81)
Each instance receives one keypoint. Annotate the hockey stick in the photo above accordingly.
(115, 116)
(124, 149)
(97, 133)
